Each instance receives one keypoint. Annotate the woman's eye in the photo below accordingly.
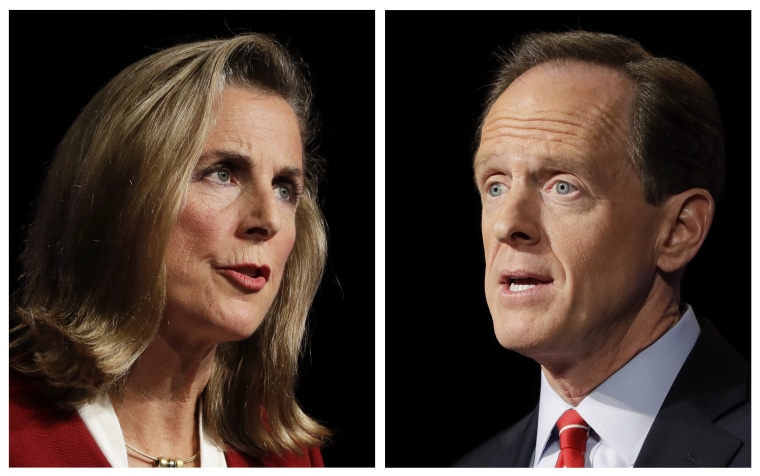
(217, 174)
(222, 174)
(288, 192)
(495, 189)
(564, 188)
(282, 192)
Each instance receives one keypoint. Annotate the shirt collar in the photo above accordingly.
(100, 419)
(622, 409)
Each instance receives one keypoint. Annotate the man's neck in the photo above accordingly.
(574, 378)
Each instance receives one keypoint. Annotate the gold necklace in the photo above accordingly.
(163, 461)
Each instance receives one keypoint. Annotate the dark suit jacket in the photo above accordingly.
(704, 420)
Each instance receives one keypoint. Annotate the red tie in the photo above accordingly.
(573, 433)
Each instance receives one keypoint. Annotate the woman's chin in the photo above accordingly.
(229, 328)
(237, 331)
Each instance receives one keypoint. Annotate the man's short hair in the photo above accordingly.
(676, 138)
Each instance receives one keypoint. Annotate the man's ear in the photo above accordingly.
(686, 220)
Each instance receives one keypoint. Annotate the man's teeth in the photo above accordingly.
(514, 287)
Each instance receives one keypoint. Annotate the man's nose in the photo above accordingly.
(518, 217)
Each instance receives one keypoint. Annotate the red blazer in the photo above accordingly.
(41, 435)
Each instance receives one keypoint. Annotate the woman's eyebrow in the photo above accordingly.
(240, 159)
(226, 155)
(291, 172)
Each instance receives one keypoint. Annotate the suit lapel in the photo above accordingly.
(519, 443)
(712, 382)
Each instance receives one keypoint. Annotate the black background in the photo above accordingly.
(447, 379)
(58, 60)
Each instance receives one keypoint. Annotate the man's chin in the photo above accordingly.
(516, 332)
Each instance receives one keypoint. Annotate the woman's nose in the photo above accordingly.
(261, 217)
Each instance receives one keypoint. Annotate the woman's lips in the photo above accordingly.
(249, 278)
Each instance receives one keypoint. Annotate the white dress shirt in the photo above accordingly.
(622, 409)
(100, 418)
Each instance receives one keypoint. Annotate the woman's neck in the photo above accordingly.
(158, 406)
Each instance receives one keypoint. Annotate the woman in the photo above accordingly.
(167, 275)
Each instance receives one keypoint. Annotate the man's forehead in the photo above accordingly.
(578, 84)
(572, 103)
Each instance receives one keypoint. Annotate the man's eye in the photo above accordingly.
(563, 188)
(495, 189)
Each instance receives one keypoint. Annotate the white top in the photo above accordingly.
(622, 409)
(100, 418)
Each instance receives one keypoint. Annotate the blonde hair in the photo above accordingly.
(93, 287)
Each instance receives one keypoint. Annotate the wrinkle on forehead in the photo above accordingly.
(574, 106)
(546, 126)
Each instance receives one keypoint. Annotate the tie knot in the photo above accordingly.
(573, 433)
(571, 419)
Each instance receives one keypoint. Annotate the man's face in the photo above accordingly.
(570, 243)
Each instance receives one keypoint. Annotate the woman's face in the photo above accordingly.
(228, 249)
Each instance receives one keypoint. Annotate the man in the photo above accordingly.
(599, 167)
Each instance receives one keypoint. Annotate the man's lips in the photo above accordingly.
(250, 277)
(520, 280)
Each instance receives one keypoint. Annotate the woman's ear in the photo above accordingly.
(686, 221)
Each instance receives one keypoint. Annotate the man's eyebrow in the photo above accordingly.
(479, 161)
(578, 166)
